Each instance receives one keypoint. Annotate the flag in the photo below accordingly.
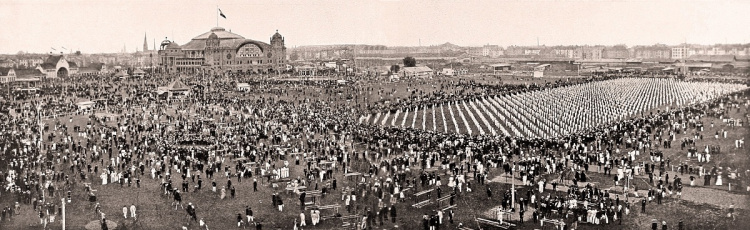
(222, 14)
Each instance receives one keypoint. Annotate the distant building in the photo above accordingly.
(679, 53)
(589, 53)
(57, 66)
(28, 74)
(448, 72)
(221, 51)
(616, 52)
(500, 67)
(532, 52)
(145, 43)
(475, 51)
(654, 53)
(7, 75)
(565, 52)
(5, 63)
(306, 70)
(93, 69)
(417, 72)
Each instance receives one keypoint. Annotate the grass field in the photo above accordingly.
(704, 208)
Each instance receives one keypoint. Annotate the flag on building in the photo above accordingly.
(222, 14)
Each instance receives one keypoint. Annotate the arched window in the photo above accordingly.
(249, 50)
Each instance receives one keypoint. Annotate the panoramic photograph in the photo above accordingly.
(374, 114)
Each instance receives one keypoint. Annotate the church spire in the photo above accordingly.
(145, 43)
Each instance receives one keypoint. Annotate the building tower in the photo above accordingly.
(278, 52)
(145, 43)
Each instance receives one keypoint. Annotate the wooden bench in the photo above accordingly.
(346, 220)
(441, 200)
(503, 225)
(423, 192)
(444, 198)
(422, 203)
(448, 207)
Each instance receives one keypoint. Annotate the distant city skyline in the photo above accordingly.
(108, 26)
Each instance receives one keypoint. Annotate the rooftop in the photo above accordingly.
(220, 32)
(4, 71)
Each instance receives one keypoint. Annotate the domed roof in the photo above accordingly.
(165, 42)
(221, 33)
(277, 36)
(213, 36)
(173, 45)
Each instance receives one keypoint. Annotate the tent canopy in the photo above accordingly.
(178, 85)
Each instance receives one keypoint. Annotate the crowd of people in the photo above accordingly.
(219, 136)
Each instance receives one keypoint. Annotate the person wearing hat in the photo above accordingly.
(664, 225)
(191, 211)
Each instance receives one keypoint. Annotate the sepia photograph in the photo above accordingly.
(374, 114)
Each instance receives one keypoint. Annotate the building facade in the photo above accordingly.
(219, 51)
(416, 72)
(7, 75)
(679, 53)
(57, 66)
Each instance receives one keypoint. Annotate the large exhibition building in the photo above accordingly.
(221, 51)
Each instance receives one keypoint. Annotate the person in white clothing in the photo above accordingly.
(132, 211)
(203, 224)
(302, 219)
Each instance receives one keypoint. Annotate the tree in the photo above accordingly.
(395, 68)
(78, 53)
(410, 62)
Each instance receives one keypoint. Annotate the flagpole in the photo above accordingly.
(217, 15)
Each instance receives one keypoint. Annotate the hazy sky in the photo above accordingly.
(106, 26)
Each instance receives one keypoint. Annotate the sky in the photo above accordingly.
(96, 26)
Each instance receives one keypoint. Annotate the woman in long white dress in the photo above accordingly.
(104, 178)
(718, 180)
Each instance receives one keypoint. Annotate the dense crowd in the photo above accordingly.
(217, 136)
